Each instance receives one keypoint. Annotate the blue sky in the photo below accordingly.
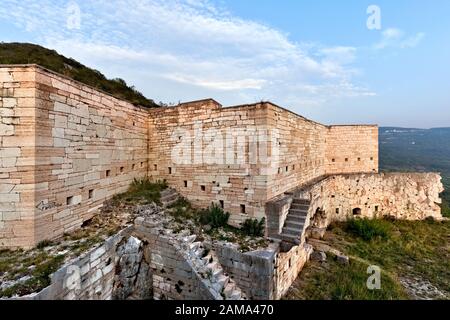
(317, 58)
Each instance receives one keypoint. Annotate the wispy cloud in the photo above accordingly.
(178, 50)
(397, 38)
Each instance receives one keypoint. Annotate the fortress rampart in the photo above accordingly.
(66, 147)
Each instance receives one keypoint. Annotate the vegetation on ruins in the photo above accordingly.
(25, 53)
(415, 252)
(254, 227)
(142, 191)
(214, 216)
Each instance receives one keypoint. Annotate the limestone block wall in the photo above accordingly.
(298, 150)
(407, 196)
(302, 147)
(91, 146)
(17, 156)
(263, 274)
(351, 149)
(288, 267)
(65, 148)
(253, 271)
(225, 176)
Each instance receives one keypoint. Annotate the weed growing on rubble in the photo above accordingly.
(142, 191)
(40, 277)
(214, 216)
(254, 227)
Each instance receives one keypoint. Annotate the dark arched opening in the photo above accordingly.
(357, 211)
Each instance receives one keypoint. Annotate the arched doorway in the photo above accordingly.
(357, 211)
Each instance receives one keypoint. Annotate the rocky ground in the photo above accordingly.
(24, 272)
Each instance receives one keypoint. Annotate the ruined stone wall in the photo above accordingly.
(263, 274)
(253, 271)
(288, 266)
(173, 276)
(224, 176)
(407, 196)
(17, 156)
(90, 276)
(351, 149)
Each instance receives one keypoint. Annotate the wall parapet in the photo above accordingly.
(405, 196)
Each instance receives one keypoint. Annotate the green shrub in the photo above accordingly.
(43, 244)
(182, 209)
(369, 229)
(253, 227)
(214, 216)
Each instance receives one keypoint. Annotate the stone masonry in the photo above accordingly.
(65, 148)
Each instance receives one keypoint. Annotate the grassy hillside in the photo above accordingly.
(24, 53)
(404, 149)
(414, 258)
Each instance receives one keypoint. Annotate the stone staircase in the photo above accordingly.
(219, 283)
(168, 197)
(294, 225)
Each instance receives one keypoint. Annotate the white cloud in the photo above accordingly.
(179, 50)
(393, 37)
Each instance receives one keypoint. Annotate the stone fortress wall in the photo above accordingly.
(66, 147)
(304, 150)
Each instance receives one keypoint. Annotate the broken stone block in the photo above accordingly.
(319, 256)
(342, 259)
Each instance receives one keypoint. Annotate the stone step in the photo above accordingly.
(295, 212)
(292, 231)
(228, 290)
(195, 245)
(301, 201)
(297, 219)
(217, 273)
(190, 239)
(294, 224)
(169, 198)
(199, 252)
(300, 207)
(290, 238)
(236, 295)
(223, 280)
(212, 266)
(207, 259)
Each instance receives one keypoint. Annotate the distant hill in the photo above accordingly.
(409, 149)
(25, 53)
